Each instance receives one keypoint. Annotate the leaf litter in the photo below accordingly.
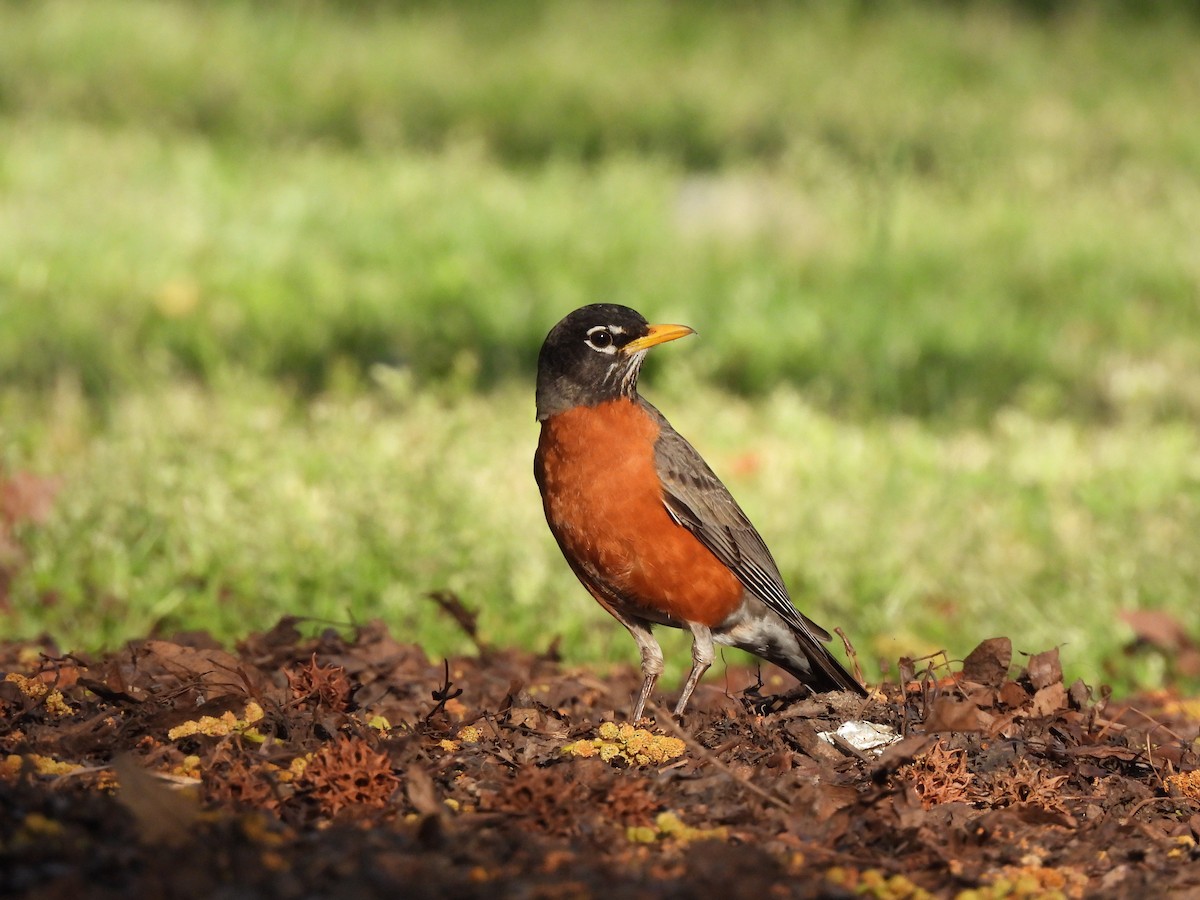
(350, 764)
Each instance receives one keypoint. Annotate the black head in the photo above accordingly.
(595, 354)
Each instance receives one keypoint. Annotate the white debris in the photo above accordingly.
(863, 735)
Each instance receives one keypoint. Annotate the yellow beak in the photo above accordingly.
(658, 334)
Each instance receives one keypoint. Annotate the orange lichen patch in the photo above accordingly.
(348, 773)
(36, 689)
(1186, 783)
(668, 825)
(625, 744)
(220, 726)
(450, 746)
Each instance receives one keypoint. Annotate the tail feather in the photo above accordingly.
(821, 670)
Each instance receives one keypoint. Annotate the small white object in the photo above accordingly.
(863, 735)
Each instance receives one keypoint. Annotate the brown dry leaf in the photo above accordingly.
(1045, 669)
(1049, 700)
(529, 820)
(900, 753)
(1013, 695)
(221, 673)
(163, 815)
(421, 792)
(952, 714)
(988, 663)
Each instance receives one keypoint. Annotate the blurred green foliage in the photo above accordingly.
(922, 210)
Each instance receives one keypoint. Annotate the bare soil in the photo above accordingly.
(354, 766)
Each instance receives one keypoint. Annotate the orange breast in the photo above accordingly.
(603, 501)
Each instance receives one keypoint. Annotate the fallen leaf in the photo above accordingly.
(988, 663)
(952, 714)
(1049, 700)
(163, 815)
(1045, 669)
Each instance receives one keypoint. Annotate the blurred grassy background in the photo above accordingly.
(273, 278)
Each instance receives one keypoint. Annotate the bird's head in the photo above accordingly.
(594, 355)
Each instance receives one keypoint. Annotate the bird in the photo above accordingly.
(644, 523)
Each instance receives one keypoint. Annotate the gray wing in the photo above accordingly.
(697, 500)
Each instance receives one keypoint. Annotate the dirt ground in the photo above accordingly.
(353, 766)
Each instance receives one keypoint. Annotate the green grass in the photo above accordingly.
(273, 278)
(230, 509)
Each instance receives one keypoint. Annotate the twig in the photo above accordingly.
(443, 694)
(464, 617)
(1153, 721)
(668, 722)
(851, 654)
(1137, 809)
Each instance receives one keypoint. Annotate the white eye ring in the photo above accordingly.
(600, 337)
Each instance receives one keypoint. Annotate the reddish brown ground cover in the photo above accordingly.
(353, 766)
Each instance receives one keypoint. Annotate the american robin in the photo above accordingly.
(642, 520)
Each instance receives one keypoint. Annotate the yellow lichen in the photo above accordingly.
(583, 749)
(1187, 783)
(1021, 882)
(14, 764)
(669, 825)
(220, 726)
(876, 883)
(449, 746)
(470, 734)
(641, 834)
(189, 768)
(35, 689)
(1184, 844)
(294, 770)
(624, 743)
(1186, 708)
(36, 824)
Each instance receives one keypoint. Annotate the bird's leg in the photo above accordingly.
(652, 661)
(702, 657)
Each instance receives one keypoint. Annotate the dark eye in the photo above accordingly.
(600, 338)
